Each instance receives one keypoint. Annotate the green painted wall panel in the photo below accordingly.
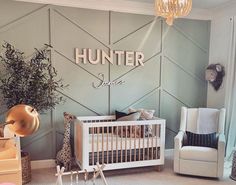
(15, 10)
(147, 40)
(170, 109)
(28, 32)
(183, 51)
(149, 102)
(138, 83)
(173, 75)
(123, 24)
(182, 85)
(80, 85)
(67, 36)
(99, 21)
(196, 30)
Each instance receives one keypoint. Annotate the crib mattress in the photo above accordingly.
(108, 142)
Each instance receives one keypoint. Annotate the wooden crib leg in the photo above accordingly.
(159, 168)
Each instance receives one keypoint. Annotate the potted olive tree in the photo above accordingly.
(32, 82)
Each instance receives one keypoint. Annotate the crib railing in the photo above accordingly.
(119, 144)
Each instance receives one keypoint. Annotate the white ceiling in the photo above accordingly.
(203, 4)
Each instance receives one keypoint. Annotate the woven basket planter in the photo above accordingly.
(233, 173)
(26, 167)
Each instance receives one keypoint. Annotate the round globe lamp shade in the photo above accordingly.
(23, 119)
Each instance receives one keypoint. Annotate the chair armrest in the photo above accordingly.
(178, 145)
(221, 154)
(221, 140)
(179, 140)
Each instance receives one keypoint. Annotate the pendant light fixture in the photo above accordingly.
(171, 9)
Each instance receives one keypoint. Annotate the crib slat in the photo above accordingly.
(116, 144)
(130, 143)
(107, 145)
(103, 145)
(135, 129)
(93, 163)
(152, 145)
(144, 149)
(139, 143)
(112, 147)
(121, 149)
(126, 143)
(156, 140)
(148, 153)
(98, 131)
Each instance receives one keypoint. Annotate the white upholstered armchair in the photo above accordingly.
(197, 160)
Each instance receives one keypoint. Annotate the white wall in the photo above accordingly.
(219, 49)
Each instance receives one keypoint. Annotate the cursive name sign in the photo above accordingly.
(103, 83)
(114, 57)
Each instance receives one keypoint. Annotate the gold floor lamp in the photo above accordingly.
(22, 120)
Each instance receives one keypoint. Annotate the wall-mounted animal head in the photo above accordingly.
(215, 74)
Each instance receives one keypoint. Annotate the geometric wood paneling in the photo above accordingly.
(182, 85)
(129, 22)
(67, 36)
(173, 74)
(184, 51)
(138, 83)
(146, 39)
(98, 21)
(196, 30)
(80, 85)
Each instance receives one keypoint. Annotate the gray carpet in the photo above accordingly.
(140, 176)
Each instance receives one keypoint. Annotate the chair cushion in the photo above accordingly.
(204, 140)
(198, 153)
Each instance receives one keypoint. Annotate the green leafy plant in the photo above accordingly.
(33, 82)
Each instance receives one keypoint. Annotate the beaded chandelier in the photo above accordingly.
(171, 9)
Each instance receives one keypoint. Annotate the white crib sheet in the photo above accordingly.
(114, 142)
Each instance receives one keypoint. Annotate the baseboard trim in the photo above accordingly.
(50, 163)
(169, 152)
(39, 164)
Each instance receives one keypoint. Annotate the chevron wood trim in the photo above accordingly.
(105, 101)
(23, 18)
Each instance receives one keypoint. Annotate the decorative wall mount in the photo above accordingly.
(104, 83)
(215, 74)
(130, 58)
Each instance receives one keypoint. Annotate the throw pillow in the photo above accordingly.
(122, 116)
(128, 131)
(204, 140)
(145, 115)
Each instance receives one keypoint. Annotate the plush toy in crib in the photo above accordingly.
(136, 130)
(64, 156)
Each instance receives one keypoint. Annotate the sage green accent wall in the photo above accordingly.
(173, 75)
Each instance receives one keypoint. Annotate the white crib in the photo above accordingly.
(96, 139)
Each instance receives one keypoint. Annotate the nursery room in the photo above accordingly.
(117, 92)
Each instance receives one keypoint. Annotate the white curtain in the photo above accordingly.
(230, 100)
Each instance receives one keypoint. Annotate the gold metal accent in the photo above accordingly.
(171, 9)
(22, 120)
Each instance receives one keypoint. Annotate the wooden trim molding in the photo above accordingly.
(120, 6)
(40, 164)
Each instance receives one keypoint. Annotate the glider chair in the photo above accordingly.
(200, 157)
